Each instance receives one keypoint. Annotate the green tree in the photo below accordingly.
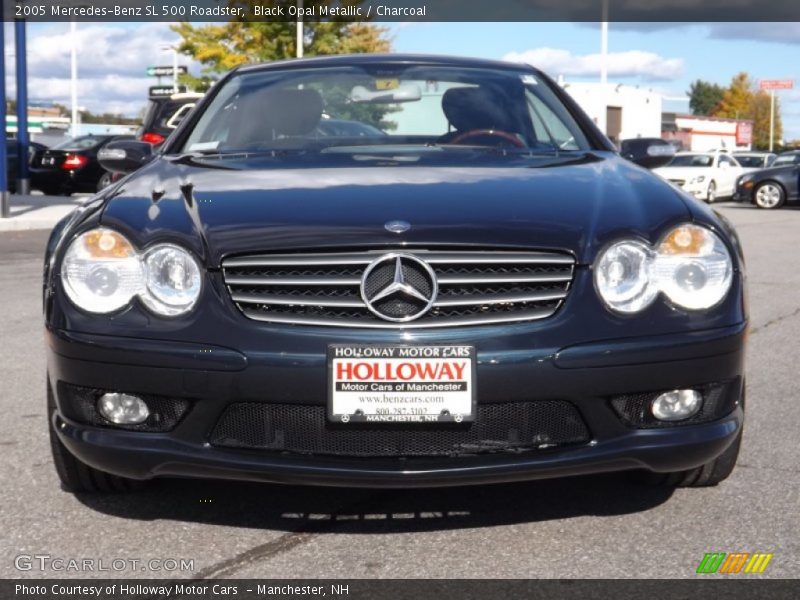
(742, 101)
(760, 116)
(737, 101)
(221, 47)
(704, 96)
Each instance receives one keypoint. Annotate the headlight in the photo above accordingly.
(102, 272)
(622, 276)
(173, 280)
(693, 267)
(698, 179)
(690, 265)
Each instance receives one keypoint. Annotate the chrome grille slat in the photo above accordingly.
(476, 287)
(501, 299)
(292, 281)
(294, 301)
(544, 278)
(378, 324)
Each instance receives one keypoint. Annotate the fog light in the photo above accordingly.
(677, 405)
(123, 409)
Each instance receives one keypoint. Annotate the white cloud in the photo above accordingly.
(112, 59)
(632, 63)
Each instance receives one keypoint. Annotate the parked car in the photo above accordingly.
(35, 151)
(163, 115)
(705, 175)
(753, 161)
(773, 187)
(72, 166)
(646, 151)
(487, 293)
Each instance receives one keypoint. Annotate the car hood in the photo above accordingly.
(221, 208)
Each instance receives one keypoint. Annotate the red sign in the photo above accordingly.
(744, 133)
(776, 84)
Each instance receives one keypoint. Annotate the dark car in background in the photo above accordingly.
(163, 115)
(487, 292)
(753, 160)
(35, 152)
(72, 166)
(773, 187)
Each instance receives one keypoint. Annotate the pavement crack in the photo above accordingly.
(284, 543)
(775, 321)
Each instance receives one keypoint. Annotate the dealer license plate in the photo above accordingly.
(401, 384)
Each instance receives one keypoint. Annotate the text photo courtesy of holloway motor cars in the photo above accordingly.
(381, 299)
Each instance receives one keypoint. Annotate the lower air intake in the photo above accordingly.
(304, 429)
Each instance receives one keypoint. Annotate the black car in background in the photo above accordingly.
(35, 152)
(773, 187)
(164, 115)
(72, 166)
(486, 292)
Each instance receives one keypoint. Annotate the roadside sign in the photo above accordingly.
(165, 71)
(162, 91)
(744, 133)
(776, 84)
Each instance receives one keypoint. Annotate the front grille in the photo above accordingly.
(304, 429)
(474, 287)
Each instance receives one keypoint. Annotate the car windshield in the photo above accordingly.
(750, 161)
(342, 109)
(692, 160)
(80, 143)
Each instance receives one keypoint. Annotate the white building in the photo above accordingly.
(701, 134)
(621, 111)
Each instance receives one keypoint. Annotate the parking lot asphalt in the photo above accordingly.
(599, 526)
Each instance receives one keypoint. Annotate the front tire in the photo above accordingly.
(709, 474)
(711, 193)
(769, 195)
(104, 181)
(75, 475)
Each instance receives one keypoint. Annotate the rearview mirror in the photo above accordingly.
(124, 156)
(407, 92)
(649, 153)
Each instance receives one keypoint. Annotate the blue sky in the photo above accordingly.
(662, 56)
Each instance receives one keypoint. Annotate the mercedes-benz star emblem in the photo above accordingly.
(397, 226)
(399, 287)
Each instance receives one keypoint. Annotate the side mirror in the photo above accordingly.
(124, 156)
(648, 153)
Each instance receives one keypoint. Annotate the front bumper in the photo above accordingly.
(743, 194)
(585, 375)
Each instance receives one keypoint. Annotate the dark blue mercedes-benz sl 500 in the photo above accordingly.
(473, 287)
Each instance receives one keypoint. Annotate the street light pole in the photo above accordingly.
(771, 119)
(74, 77)
(602, 117)
(23, 174)
(5, 209)
(174, 70)
(299, 42)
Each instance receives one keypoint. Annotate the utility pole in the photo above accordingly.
(74, 77)
(602, 115)
(771, 120)
(299, 29)
(23, 174)
(5, 208)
